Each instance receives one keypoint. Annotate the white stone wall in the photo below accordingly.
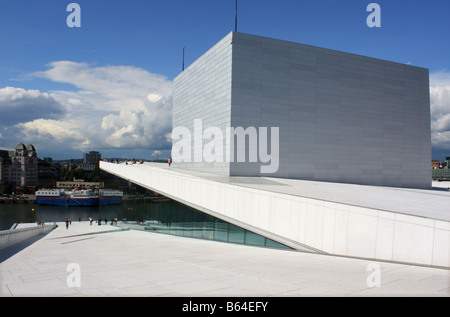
(342, 117)
(14, 236)
(203, 91)
(302, 222)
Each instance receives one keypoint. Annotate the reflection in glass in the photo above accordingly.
(177, 219)
(235, 234)
(254, 239)
(208, 227)
(221, 230)
(197, 225)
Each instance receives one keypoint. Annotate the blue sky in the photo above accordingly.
(107, 85)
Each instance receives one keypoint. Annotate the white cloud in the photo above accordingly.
(111, 107)
(154, 97)
(138, 128)
(50, 137)
(440, 109)
(20, 105)
(106, 88)
(44, 130)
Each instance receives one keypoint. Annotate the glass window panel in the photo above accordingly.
(274, 244)
(197, 225)
(172, 222)
(208, 227)
(179, 222)
(178, 219)
(188, 223)
(221, 230)
(254, 239)
(165, 222)
(235, 234)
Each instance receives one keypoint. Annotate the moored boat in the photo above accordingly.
(109, 197)
(77, 197)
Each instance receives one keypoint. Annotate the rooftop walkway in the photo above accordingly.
(401, 225)
(116, 262)
(427, 203)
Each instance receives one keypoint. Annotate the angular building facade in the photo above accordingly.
(340, 117)
(18, 167)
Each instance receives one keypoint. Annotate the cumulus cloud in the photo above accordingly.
(62, 138)
(58, 132)
(140, 127)
(156, 153)
(110, 107)
(109, 88)
(19, 105)
(440, 109)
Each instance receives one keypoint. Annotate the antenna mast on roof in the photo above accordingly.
(183, 58)
(236, 17)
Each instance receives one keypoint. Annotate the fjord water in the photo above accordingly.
(168, 217)
(32, 213)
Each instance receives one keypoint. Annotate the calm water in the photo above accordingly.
(17, 213)
(166, 217)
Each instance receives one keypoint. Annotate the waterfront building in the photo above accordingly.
(18, 167)
(441, 170)
(435, 164)
(90, 160)
(441, 174)
(92, 157)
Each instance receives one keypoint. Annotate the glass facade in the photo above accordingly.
(177, 219)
